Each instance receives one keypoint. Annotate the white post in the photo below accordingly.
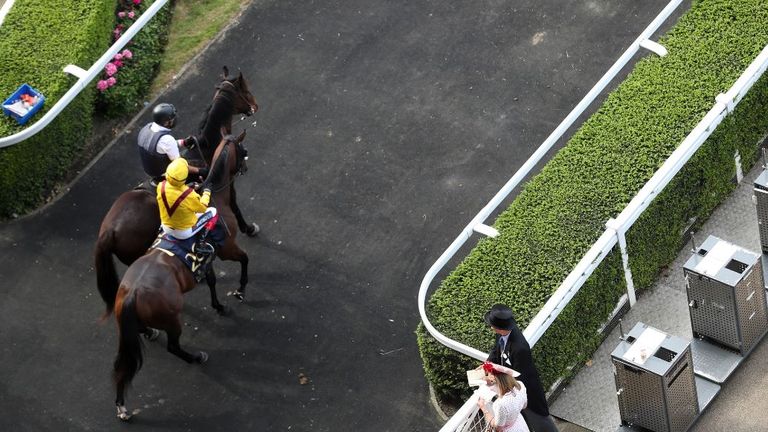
(622, 239)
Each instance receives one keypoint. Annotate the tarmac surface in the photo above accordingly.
(384, 127)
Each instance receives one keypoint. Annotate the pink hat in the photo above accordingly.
(497, 369)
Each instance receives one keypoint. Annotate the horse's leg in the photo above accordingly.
(239, 255)
(174, 332)
(210, 279)
(150, 334)
(251, 230)
(122, 411)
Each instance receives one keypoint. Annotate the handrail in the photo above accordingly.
(84, 77)
(724, 105)
(4, 10)
(521, 174)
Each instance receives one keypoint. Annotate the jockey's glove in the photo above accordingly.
(206, 198)
(190, 142)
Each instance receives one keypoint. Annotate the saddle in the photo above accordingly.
(196, 252)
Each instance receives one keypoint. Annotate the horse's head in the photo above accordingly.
(244, 101)
(228, 160)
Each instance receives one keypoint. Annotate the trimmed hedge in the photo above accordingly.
(563, 210)
(127, 96)
(37, 39)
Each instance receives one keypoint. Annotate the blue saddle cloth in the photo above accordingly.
(184, 249)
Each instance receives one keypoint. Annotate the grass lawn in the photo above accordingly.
(194, 24)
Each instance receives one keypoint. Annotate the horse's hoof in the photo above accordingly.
(151, 334)
(239, 294)
(122, 413)
(223, 310)
(202, 357)
(253, 230)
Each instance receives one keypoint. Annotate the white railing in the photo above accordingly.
(4, 10)
(615, 232)
(84, 77)
(476, 224)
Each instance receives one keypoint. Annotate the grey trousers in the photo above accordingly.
(539, 423)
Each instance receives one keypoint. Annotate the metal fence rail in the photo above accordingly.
(615, 228)
(477, 225)
(85, 77)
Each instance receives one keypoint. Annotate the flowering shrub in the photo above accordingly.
(125, 18)
(126, 78)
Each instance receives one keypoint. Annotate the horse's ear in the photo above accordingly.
(226, 72)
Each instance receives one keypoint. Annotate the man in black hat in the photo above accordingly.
(512, 350)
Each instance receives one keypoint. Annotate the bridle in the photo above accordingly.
(238, 93)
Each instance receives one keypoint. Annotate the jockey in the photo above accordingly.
(158, 148)
(183, 212)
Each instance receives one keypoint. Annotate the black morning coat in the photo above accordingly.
(518, 357)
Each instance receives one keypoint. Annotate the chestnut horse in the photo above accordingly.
(131, 225)
(151, 293)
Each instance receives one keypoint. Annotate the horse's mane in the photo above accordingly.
(216, 112)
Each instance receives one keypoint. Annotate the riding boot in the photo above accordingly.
(204, 253)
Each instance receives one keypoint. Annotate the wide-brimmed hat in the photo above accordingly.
(497, 369)
(500, 317)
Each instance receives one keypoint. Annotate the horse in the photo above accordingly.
(229, 162)
(231, 94)
(151, 294)
(131, 224)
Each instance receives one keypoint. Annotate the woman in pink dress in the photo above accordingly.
(504, 415)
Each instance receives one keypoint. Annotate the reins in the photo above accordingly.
(239, 167)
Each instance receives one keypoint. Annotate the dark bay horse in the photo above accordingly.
(130, 226)
(151, 293)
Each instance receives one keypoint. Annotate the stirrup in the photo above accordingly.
(203, 249)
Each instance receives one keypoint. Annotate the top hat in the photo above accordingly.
(500, 317)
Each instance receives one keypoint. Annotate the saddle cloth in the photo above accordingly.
(184, 249)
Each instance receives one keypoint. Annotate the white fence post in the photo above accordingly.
(621, 236)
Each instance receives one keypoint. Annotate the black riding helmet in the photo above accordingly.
(163, 113)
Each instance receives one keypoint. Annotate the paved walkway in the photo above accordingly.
(590, 400)
(384, 126)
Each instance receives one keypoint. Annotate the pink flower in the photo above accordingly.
(118, 57)
(111, 69)
(117, 33)
(121, 14)
(137, 2)
(111, 81)
(117, 63)
(127, 54)
(131, 14)
(102, 85)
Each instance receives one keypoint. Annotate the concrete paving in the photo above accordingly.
(385, 126)
(590, 400)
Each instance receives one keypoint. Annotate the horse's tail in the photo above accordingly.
(129, 353)
(106, 273)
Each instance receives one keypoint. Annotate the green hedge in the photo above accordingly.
(35, 53)
(563, 210)
(33, 50)
(127, 96)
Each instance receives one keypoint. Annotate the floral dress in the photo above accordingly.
(506, 410)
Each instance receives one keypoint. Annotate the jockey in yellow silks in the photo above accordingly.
(182, 211)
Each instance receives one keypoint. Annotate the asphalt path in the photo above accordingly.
(384, 127)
